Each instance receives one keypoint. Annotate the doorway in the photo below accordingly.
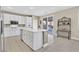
(48, 24)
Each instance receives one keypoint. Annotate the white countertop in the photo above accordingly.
(33, 30)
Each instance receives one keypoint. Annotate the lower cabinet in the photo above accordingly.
(33, 39)
(27, 38)
(37, 40)
(9, 31)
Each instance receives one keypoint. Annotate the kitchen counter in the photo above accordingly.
(34, 38)
(33, 30)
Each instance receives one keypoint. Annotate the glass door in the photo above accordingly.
(50, 29)
(50, 25)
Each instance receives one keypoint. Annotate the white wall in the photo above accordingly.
(70, 13)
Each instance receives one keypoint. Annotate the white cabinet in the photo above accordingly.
(33, 39)
(31, 22)
(15, 31)
(9, 31)
(7, 18)
(27, 38)
(28, 22)
(14, 17)
(10, 17)
(12, 30)
(37, 40)
(6, 32)
(22, 20)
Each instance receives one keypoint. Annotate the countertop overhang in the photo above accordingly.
(32, 30)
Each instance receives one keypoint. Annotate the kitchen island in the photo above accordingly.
(34, 38)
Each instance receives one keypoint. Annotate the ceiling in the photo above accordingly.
(35, 10)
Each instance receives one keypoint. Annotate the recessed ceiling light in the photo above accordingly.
(9, 7)
(31, 7)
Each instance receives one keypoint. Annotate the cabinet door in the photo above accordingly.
(17, 31)
(30, 39)
(35, 24)
(21, 20)
(9, 17)
(37, 40)
(6, 18)
(30, 36)
(28, 22)
(14, 17)
(7, 32)
(27, 37)
(12, 31)
(23, 36)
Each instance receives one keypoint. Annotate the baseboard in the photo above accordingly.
(74, 38)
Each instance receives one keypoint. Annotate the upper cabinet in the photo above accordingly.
(10, 17)
(21, 19)
(28, 22)
(14, 17)
(7, 18)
